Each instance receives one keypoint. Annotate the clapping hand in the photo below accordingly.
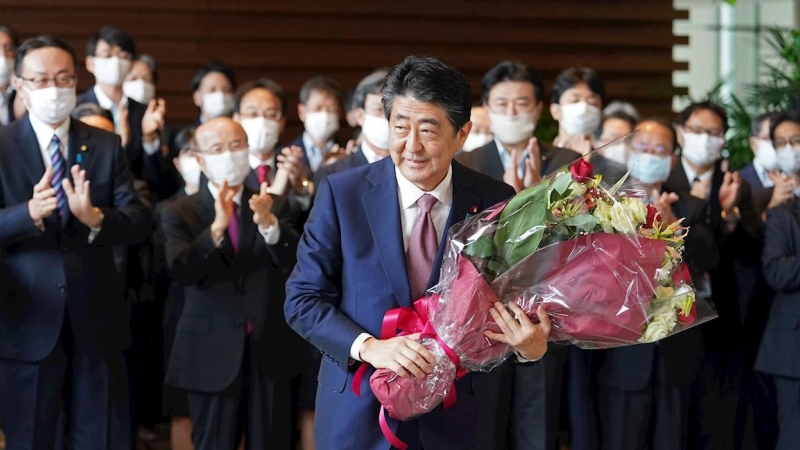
(153, 119)
(44, 200)
(664, 206)
(223, 211)
(729, 191)
(80, 199)
(783, 190)
(261, 204)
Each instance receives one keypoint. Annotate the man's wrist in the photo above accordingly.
(96, 218)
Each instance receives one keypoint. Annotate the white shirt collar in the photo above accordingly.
(105, 102)
(255, 161)
(237, 197)
(44, 133)
(691, 174)
(308, 142)
(762, 174)
(370, 154)
(410, 193)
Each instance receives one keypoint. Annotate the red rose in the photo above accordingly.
(652, 216)
(689, 319)
(581, 170)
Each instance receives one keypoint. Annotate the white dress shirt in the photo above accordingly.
(766, 181)
(271, 235)
(407, 196)
(256, 162)
(106, 103)
(370, 154)
(691, 175)
(4, 97)
(315, 154)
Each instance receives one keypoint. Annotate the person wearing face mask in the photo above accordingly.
(68, 199)
(108, 57)
(512, 93)
(702, 173)
(615, 126)
(480, 134)
(645, 392)
(140, 83)
(576, 103)
(230, 249)
(8, 43)
(762, 172)
(779, 351)
(319, 109)
(374, 127)
(212, 88)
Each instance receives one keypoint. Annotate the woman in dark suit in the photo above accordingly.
(779, 354)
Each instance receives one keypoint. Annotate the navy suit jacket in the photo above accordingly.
(780, 346)
(351, 270)
(45, 274)
(150, 168)
(749, 174)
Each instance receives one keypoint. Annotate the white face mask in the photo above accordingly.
(139, 90)
(476, 140)
(701, 149)
(232, 167)
(616, 152)
(580, 118)
(217, 104)
(111, 71)
(649, 168)
(376, 131)
(511, 130)
(789, 159)
(52, 104)
(190, 170)
(262, 134)
(6, 70)
(321, 125)
(765, 155)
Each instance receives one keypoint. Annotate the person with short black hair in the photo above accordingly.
(64, 315)
(8, 44)
(362, 228)
(213, 86)
(576, 103)
(613, 127)
(320, 109)
(140, 83)
(513, 94)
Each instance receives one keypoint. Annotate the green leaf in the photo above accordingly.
(562, 182)
(480, 248)
(521, 224)
(584, 222)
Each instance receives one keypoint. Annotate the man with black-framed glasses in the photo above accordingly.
(66, 198)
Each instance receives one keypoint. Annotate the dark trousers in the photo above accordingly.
(253, 406)
(582, 391)
(67, 399)
(536, 401)
(788, 391)
(655, 417)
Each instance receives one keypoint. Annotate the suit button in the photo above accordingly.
(62, 288)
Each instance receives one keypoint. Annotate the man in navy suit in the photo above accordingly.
(320, 110)
(109, 53)
(352, 268)
(66, 198)
(374, 127)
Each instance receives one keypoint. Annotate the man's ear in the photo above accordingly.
(461, 135)
(90, 64)
(197, 97)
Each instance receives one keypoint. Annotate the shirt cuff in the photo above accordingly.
(522, 360)
(271, 234)
(151, 147)
(93, 232)
(355, 349)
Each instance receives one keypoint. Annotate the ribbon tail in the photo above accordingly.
(358, 377)
(388, 434)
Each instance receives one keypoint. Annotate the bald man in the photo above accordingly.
(229, 249)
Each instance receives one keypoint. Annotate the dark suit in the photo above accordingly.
(153, 169)
(9, 106)
(486, 159)
(356, 159)
(645, 393)
(779, 354)
(299, 142)
(750, 176)
(62, 303)
(354, 234)
(721, 418)
(212, 356)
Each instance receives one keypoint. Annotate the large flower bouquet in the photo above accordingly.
(598, 259)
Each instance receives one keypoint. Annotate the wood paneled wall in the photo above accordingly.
(628, 42)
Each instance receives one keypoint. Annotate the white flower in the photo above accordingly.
(637, 212)
(621, 220)
(662, 324)
(602, 211)
(578, 189)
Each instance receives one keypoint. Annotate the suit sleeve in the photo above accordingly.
(313, 292)
(781, 264)
(190, 258)
(127, 221)
(16, 225)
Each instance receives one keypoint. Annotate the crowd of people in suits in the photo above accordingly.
(232, 280)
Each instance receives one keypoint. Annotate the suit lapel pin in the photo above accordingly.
(472, 211)
(79, 158)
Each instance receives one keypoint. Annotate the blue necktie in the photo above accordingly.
(59, 172)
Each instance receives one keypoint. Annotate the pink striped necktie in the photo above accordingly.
(233, 228)
(422, 247)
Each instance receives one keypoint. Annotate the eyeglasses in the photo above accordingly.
(62, 81)
(235, 146)
(794, 141)
(716, 132)
(642, 147)
(269, 114)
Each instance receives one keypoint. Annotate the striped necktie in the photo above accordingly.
(59, 173)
